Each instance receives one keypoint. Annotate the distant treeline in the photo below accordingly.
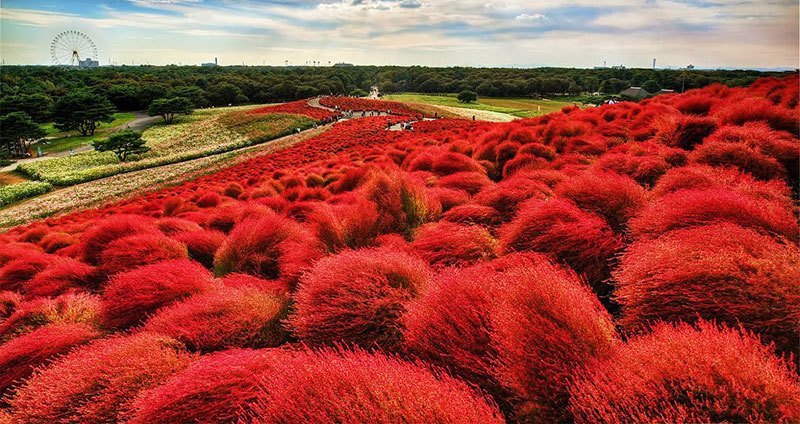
(135, 87)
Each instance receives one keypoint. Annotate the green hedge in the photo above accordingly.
(16, 192)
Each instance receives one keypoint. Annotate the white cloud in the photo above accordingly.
(524, 17)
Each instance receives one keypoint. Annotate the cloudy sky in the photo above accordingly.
(579, 33)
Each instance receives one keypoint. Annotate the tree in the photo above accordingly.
(612, 86)
(223, 94)
(38, 106)
(82, 111)
(359, 93)
(123, 143)
(19, 131)
(306, 91)
(651, 86)
(467, 96)
(170, 108)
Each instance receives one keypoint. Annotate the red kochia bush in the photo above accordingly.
(353, 387)
(615, 197)
(721, 272)
(133, 251)
(67, 308)
(471, 182)
(345, 226)
(557, 227)
(130, 296)
(97, 237)
(97, 383)
(62, 275)
(757, 109)
(202, 245)
(547, 325)
(358, 297)
(507, 195)
(698, 177)
(214, 389)
(20, 355)
(741, 156)
(224, 318)
(15, 273)
(270, 247)
(54, 241)
(448, 244)
(689, 208)
(682, 374)
(450, 324)
(472, 214)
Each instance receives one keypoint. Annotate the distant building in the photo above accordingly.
(342, 65)
(664, 91)
(635, 93)
(88, 63)
(210, 63)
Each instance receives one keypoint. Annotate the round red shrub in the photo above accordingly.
(8, 303)
(682, 374)
(558, 228)
(202, 245)
(129, 296)
(271, 247)
(20, 355)
(740, 156)
(67, 308)
(134, 251)
(214, 389)
(507, 195)
(173, 226)
(547, 325)
(98, 236)
(54, 241)
(275, 287)
(699, 177)
(690, 208)
(615, 197)
(208, 199)
(721, 272)
(402, 202)
(345, 226)
(448, 244)
(15, 273)
(224, 318)
(329, 386)
(98, 382)
(755, 109)
(358, 297)
(62, 275)
(471, 182)
(472, 214)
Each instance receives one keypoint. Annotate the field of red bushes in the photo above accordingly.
(624, 263)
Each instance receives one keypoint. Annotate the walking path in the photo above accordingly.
(141, 122)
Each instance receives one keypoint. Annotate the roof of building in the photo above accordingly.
(635, 92)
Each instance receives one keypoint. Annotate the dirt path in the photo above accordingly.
(140, 123)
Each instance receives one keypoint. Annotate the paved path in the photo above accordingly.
(139, 123)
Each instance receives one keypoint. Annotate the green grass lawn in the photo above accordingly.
(72, 140)
(519, 107)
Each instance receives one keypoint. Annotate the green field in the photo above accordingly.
(516, 106)
(64, 141)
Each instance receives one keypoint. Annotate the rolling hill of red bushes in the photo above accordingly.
(624, 263)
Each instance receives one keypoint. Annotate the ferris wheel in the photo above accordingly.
(73, 48)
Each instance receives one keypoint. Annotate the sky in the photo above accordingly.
(518, 33)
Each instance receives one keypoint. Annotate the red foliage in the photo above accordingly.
(133, 251)
(214, 389)
(224, 318)
(358, 297)
(615, 197)
(57, 240)
(299, 107)
(681, 277)
(271, 247)
(755, 109)
(329, 386)
(345, 226)
(558, 228)
(129, 296)
(174, 226)
(62, 275)
(67, 308)
(547, 325)
(472, 214)
(741, 156)
(471, 182)
(202, 245)
(15, 273)
(98, 382)
(20, 355)
(97, 237)
(683, 374)
(689, 208)
(449, 244)
(506, 196)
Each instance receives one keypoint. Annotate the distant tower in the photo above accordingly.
(654, 63)
(604, 63)
(215, 61)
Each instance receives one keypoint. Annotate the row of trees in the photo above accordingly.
(135, 88)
